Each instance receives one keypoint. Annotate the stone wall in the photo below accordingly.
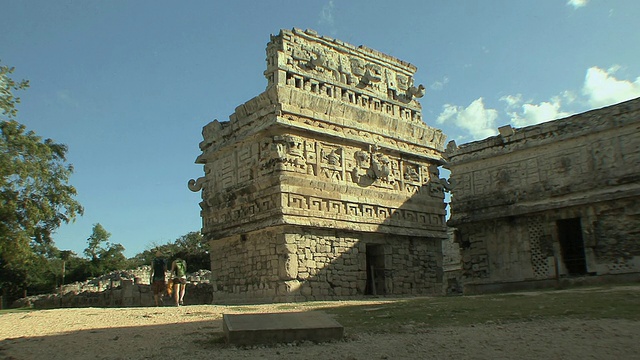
(554, 200)
(119, 289)
(553, 164)
(127, 294)
(329, 181)
(452, 263)
(302, 264)
(113, 279)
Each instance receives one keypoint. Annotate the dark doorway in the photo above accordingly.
(375, 270)
(572, 246)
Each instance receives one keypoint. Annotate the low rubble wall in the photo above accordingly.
(119, 289)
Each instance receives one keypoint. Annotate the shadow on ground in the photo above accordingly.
(136, 342)
(571, 319)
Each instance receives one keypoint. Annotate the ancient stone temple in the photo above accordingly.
(326, 185)
(549, 202)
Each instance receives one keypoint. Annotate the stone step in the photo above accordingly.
(271, 328)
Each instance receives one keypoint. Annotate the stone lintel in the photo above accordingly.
(404, 228)
(246, 225)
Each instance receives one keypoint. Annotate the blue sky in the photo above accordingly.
(128, 85)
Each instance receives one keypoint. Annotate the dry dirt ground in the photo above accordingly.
(193, 332)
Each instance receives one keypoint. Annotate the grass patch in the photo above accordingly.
(411, 315)
(247, 308)
(25, 310)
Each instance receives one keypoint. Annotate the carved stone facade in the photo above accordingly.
(549, 201)
(325, 185)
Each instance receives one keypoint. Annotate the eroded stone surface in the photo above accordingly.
(552, 200)
(331, 163)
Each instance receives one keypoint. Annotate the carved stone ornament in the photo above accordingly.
(290, 150)
(380, 166)
(196, 185)
(370, 166)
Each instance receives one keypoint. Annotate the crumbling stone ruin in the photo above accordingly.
(550, 201)
(326, 185)
(124, 288)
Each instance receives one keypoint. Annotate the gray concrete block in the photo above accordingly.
(271, 328)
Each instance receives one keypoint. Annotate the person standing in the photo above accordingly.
(179, 274)
(157, 278)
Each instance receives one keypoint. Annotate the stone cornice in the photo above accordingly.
(530, 207)
(275, 107)
(340, 45)
(579, 125)
(359, 69)
(302, 209)
(356, 135)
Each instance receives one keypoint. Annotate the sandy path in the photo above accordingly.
(189, 332)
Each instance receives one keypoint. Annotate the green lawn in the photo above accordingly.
(413, 314)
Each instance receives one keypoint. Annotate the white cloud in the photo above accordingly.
(513, 101)
(569, 96)
(577, 3)
(475, 119)
(326, 17)
(438, 85)
(613, 69)
(602, 89)
(538, 113)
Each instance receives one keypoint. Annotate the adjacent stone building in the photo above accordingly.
(326, 185)
(550, 201)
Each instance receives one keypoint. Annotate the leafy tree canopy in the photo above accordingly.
(35, 196)
(104, 255)
(8, 100)
(191, 247)
(99, 236)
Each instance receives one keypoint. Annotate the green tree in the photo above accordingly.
(191, 247)
(192, 243)
(43, 274)
(65, 256)
(8, 100)
(35, 195)
(103, 255)
(112, 258)
(195, 250)
(99, 236)
(77, 269)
